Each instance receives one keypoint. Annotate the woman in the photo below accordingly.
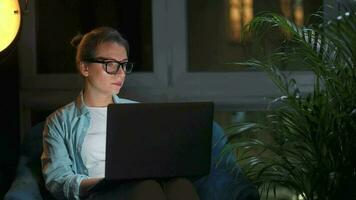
(73, 158)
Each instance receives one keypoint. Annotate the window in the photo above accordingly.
(59, 21)
(214, 30)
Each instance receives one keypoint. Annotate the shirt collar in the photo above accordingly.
(81, 109)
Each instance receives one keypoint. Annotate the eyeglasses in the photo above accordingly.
(113, 66)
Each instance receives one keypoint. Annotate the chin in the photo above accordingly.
(115, 92)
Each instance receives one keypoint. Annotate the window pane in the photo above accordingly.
(59, 21)
(214, 30)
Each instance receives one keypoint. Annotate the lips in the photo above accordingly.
(117, 83)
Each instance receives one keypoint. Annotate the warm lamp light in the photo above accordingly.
(241, 13)
(10, 18)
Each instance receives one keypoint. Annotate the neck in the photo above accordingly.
(94, 99)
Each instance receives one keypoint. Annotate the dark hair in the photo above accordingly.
(87, 44)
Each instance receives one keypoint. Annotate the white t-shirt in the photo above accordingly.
(94, 146)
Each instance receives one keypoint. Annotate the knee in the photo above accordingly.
(147, 189)
(181, 188)
(180, 183)
(149, 184)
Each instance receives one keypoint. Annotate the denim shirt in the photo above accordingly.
(63, 136)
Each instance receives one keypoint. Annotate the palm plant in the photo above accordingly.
(313, 135)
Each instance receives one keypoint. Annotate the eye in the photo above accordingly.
(112, 64)
(124, 64)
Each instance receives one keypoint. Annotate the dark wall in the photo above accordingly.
(9, 118)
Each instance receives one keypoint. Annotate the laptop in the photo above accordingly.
(158, 140)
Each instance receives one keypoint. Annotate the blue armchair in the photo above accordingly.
(225, 181)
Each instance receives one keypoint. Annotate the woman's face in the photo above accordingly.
(97, 79)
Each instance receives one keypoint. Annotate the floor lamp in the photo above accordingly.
(10, 21)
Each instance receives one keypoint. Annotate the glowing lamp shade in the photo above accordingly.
(10, 18)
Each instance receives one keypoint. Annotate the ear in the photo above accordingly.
(83, 69)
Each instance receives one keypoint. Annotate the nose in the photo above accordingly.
(120, 72)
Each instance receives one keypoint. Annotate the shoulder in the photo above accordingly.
(63, 111)
(61, 115)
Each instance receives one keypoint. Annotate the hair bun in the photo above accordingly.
(76, 40)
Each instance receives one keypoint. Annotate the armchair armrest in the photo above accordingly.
(25, 185)
(225, 181)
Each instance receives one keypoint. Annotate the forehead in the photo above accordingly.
(111, 50)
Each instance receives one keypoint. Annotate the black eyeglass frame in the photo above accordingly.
(125, 66)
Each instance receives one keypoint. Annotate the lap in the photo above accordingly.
(126, 190)
(147, 189)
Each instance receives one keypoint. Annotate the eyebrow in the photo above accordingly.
(111, 59)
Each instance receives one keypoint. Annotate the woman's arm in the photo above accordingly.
(87, 184)
(59, 176)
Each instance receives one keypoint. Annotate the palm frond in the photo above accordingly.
(312, 135)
